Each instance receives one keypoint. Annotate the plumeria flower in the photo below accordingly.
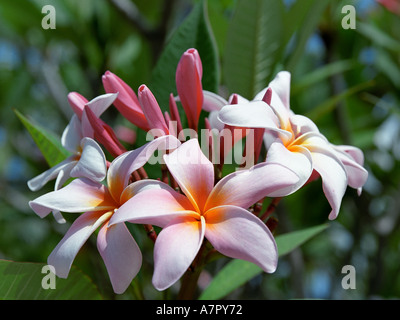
(99, 203)
(217, 213)
(87, 158)
(296, 141)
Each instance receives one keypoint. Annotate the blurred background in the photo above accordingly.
(346, 80)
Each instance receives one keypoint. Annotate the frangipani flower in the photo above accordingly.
(99, 203)
(295, 141)
(217, 213)
(87, 159)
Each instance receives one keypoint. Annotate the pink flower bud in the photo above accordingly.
(77, 103)
(104, 134)
(188, 83)
(127, 102)
(151, 109)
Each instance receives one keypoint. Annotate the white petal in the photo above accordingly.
(121, 255)
(239, 234)
(64, 253)
(101, 103)
(298, 159)
(92, 164)
(212, 101)
(176, 247)
(80, 195)
(39, 181)
(72, 135)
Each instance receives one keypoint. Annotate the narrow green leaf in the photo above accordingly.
(378, 36)
(306, 29)
(389, 66)
(253, 46)
(296, 15)
(290, 241)
(238, 272)
(31, 281)
(321, 74)
(194, 32)
(48, 143)
(329, 105)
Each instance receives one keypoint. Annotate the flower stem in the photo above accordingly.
(151, 233)
(271, 208)
(190, 278)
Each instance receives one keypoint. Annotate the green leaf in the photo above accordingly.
(194, 32)
(378, 36)
(48, 143)
(330, 104)
(254, 45)
(290, 241)
(23, 281)
(321, 74)
(309, 24)
(238, 272)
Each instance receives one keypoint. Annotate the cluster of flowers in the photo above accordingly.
(191, 201)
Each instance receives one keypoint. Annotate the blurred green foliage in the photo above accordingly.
(347, 81)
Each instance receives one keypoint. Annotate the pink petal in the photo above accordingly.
(173, 109)
(239, 234)
(120, 254)
(143, 185)
(176, 247)
(238, 99)
(77, 103)
(103, 133)
(98, 105)
(188, 83)
(122, 167)
(192, 171)
(245, 187)
(152, 110)
(80, 195)
(92, 163)
(156, 205)
(127, 102)
(65, 252)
